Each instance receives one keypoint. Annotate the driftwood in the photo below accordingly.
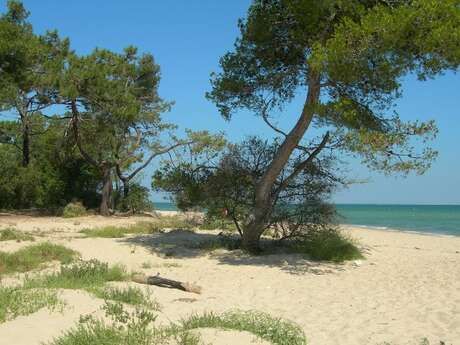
(167, 283)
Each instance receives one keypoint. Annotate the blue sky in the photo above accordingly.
(187, 37)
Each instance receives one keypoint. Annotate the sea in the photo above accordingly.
(435, 219)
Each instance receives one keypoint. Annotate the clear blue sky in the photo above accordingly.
(187, 37)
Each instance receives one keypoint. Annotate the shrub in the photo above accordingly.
(138, 199)
(10, 234)
(34, 256)
(74, 209)
(329, 245)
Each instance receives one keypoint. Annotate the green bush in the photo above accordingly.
(328, 245)
(74, 209)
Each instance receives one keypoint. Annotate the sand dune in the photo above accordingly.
(408, 288)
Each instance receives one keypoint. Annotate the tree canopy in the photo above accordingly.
(348, 58)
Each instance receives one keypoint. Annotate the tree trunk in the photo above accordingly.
(25, 142)
(264, 189)
(251, 235)
(125, 188)
(106, 192)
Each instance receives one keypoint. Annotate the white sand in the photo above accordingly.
(408, 288)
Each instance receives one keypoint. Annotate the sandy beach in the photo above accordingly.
(406, 289)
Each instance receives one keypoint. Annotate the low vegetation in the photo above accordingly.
(129, 295)
(86, 275)
(326, 245)
(329, 245)
(118, 232)
(17, 301)
(10, 234)
(34, 256)
(74, 209)
(138, 328)
(274, 330)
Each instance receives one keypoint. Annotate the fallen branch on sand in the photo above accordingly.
(168, 283)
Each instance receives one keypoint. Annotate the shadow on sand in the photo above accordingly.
(183, 244)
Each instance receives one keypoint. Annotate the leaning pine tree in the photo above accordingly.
(348, 57)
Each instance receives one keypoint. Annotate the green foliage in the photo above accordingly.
(137, 327)
(74, 209)
(138, 199)
(274, 330)
(17, 301)
(130, 295)
(328, 245)
(80, 275)
(118, 232)
(355, 53)
(225, 187)
(34, 256)
(10, 234)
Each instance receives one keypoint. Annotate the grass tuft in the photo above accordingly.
(80, 275)
(10, 234)
(130, 295)
(119, 232)
(18, 301)
(329, 245)
(34, 256)
(274, 330)
(129, 328)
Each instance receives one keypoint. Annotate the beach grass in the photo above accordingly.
(34, 256)
(16, 301)
(139, 327)
(10, 234)
(129, 295)
(262, 325)
(85, 275)
(141, 228)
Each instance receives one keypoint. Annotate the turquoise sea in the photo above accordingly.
(439, 219)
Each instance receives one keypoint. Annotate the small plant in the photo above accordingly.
(329, 245)
(18, 301)
(119, 232)
(85, 275)
(130, 295)
(10, 234)
(146, 265)
(274, 330)
(74, 209)
(34, 256)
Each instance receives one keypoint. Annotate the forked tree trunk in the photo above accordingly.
(106, 192)
(264, 189)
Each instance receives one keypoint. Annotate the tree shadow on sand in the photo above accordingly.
(183, 244)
